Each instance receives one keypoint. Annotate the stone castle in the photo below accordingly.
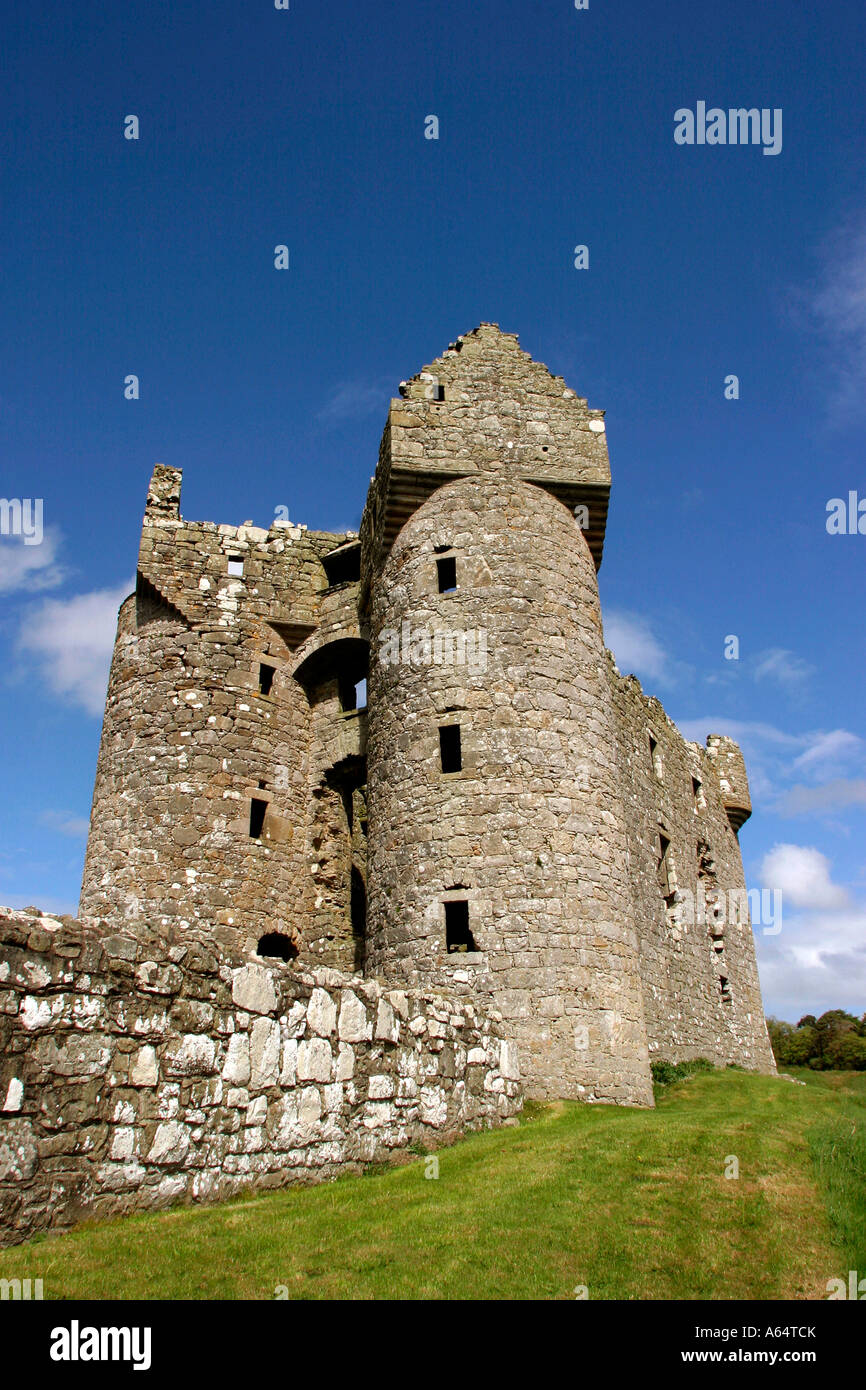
(379, 822)
(503, 815)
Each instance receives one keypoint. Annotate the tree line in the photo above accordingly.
(834, 1042)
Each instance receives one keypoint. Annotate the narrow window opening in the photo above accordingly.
(358, 913)
(353, 694)
(458, 937)
(450, 750)
(655, 757)
(277, 946)
(666, 877)
(258, 810)
(446, 571)
(725, 989)
(698, 793)
(236, 565)
(266, 678)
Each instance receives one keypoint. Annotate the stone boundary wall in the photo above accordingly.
(133, 1075)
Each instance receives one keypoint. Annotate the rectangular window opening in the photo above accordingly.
(450, 750)
(236, 565)
(698, 793)
(353, 694)
(446, 570)
(258, 810)
(458, 937)
(266, 678)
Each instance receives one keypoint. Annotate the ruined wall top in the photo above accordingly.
(242, 577)
(730, 766)
(486, 407)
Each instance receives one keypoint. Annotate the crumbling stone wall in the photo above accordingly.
(700, 983)
(133, 1076)
(190, 740)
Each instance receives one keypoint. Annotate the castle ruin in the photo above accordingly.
(381, 839)
(503, 816)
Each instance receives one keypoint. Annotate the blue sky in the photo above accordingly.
(306, 127)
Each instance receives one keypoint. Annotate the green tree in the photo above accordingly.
(851, 1053)
(832, 1027)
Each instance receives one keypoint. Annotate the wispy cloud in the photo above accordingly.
(355, 400)
(30, 567)
(76, 827)
(831, 796)
(775, 758)
(836, 307)
(637, 650)
(69, 643)
(830, 750)
(782, 666)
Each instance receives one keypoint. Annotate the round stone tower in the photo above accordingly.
(497, 837)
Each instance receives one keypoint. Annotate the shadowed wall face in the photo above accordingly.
(519, 815)
(702, 996)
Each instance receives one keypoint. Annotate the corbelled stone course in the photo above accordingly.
(131, 1079)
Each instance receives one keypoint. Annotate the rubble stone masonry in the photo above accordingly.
(317, 925)
(133, 1076)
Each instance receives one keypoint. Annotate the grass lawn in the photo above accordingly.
(634, 1204)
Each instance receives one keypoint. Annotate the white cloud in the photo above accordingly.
(818, 961)
(70, 642)
(830, 749)
(838, 306)
(830, 796)
(30, 567)
(783, 666)
(803, 875)
(635, 647)
(741, 730)
(774, 757)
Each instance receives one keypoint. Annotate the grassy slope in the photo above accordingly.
(634, 1204)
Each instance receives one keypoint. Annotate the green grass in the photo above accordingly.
(634, 1204)
(838, 1150)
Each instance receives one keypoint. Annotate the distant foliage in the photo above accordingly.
(834, 1042)
(663, 1073)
